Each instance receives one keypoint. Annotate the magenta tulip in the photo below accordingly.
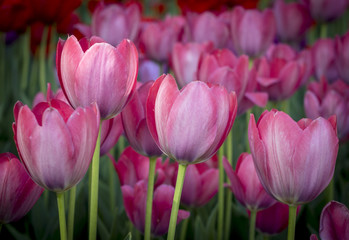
(342, 56)
(189, 125)
(157, 38)
(56, 142)
(334, 222)
(292, 20)
(324, 56)
(111, 131)
(294, 161)
(324, 99)
(246, 185)
(185, 60)
(97, 72)
(135, 124)
(18, 193)
(135, 202)
(201, 24)
(252, 31)
(326, 10)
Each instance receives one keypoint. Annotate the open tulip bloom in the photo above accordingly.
(295, 161)
(188, 125)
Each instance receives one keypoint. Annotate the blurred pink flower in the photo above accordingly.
(325, 10)
(342, 56)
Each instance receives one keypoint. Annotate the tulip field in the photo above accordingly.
(225, 119)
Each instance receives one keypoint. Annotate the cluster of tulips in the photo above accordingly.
(156, 100)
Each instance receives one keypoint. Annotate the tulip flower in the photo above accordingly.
(135, 125)
(157, 38)
(325, 10)
(342, 56)
(324, 99)
(324, 56)
(111, 131)
(292, 20)
(135, 200)
(188, 125)
(55, 142)
(201, 24)
(185, 60)
(14, 15)
(113, 23)
(252, 31)
(294, 161)
(334, 221)
(86, 78)
(18, 193)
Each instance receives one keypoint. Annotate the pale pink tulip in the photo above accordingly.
(342, 56)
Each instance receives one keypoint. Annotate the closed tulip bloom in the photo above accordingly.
(324, 99)
(292, 20)
(189, 125)
(95, 71)
(325, 10)
(111, 131)
(135, 124)
(18, 193)
(14, 15)
(294, 161)
(334, 222)
(185, 60)
(252, 31)
(135, 203)
(324, 57)
(342, 56)
(246, 185)
(113, 23)
(56, 142)
(201, 24)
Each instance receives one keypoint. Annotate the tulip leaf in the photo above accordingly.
(16, 234)
(199, 228)
(128, 236)
(102, 230)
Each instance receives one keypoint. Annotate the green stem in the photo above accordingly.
(220, 194)
(248, 113)
(61, 213)
(252, 224)
(265, 237)
(26, 58)
(323, 30)
(285, 106)
(121, 145)
(42, 59)
(292, 222)
(148, 213)
(229, 196)
(112, 186)
(184, 229)
(94, 189)
(176, 200)
(330, 191)
(71, 213)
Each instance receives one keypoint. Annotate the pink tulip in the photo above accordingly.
(294, 161)
(252, 31)
(40, 97)
(189, 125)
(113, 23)
(95, 71)
(56, 142)
(157, 38)
(324, 56)
(273, 220)
(324, 99)
(246, 185)
(185, 60)
(135, 203)
(201, 24)
(334, 221)
(18, 193)
(326, 10)
(292, 20)
(111, 131)
(133, 167)
(135, 124)
(342, 56)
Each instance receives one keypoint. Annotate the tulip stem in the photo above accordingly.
(252, 224)
(248, 113)
(220, 194)
(61, 213)
(184, 229)
(330, 191)
(176, 200)
(42, 62)
(229, 193)
(148, 213)
(94, 189)
(25, 63)
(71, 213)
(323, 30)
(292, 222)
(112, 186)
